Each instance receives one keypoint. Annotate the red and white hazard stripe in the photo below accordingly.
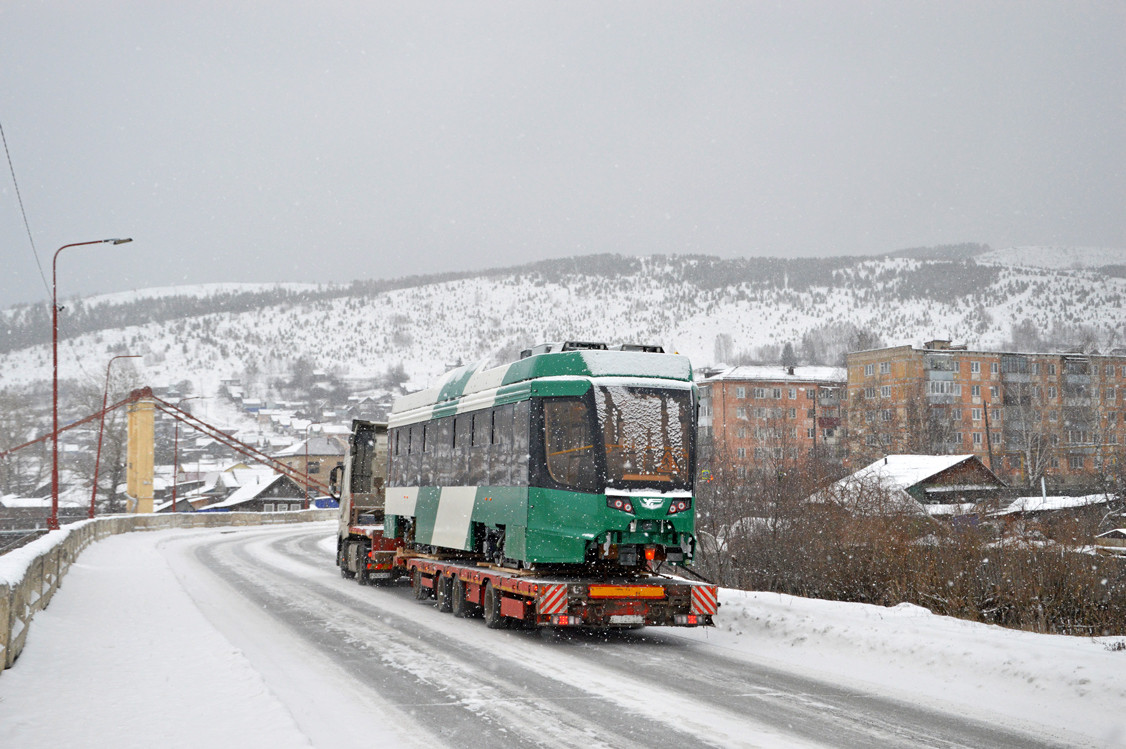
(553, 599)
(704, 599)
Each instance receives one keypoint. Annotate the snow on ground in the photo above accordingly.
(128, 657)
(123, 658)
(194, 290)
(1071, 684)
(1057, 258)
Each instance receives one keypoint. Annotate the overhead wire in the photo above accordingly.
(23, 212)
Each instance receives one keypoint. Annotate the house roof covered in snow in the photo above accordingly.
(1050, 504)
(906, 471)
(779, 373)
(317, 446)
(251, 490)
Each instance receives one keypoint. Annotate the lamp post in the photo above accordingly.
(176, 450)
(53, 521)
(307, 428)
(102, 429)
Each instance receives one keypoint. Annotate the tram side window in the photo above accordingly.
(521, 446)
(569, 443)
(426, 457)
(459, 459)
(480, 424)
(500, 447)
(443, 452)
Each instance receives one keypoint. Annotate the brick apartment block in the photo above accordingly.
(1045, 414)
(768, 416)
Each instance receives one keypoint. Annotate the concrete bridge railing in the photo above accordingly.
(30, 576)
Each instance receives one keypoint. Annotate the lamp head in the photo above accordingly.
(119, 241)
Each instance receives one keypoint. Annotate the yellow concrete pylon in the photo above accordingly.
(139, 455)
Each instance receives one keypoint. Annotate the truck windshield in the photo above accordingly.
(647, 434)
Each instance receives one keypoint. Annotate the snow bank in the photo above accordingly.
(1073, 685)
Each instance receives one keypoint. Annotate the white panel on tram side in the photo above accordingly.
(401, 500)
(451, 524)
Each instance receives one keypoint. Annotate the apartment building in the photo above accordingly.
(755, 417)
(1024, 415)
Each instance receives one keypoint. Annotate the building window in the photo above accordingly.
(1075, 462)
(886, 415)
(996, 414)
(740, 413)
(885, 367)
(993, 367)
(1053, 416)
(811, 394)
(1054, 463)
(975, 367)
(742, 432)
(1035, 367)
(741, 453)
(975, 391)
(1111, 395)
(957, 366)
(1112, 438)
(758, 393)
(740, 392)
(760, 413)
(810, 433)
(870, 440)
(1053, 440)
(869, 370)
(1052, 393)
(1051, 369)
(777, 394)
(958, 437)
(793, 393)
(977, 438)
(1112, 417)
(811, 413)
(268, 507)
(994, 391)
(870, 393)
(1109, 370)
(956, 414)
(975, 414)
(885, 439)
(827, 433)
(760, 453)
(793, 413)
(885, 391)
(741, 472)
(995, 438)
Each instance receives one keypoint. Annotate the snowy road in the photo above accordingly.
(368, 661)
(250, 639)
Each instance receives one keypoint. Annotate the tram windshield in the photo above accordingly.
(641, 438)
(647, 434)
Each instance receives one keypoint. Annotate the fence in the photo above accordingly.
(29, 576)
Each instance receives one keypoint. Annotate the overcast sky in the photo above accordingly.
(333, 141)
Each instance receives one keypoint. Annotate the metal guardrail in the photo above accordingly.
(19, 601)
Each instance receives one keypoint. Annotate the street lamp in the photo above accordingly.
(176, 450)
(102, 429)
(53, 521)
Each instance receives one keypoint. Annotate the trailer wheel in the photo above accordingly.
(420, 591)
(493, 619)
(442, 593)
(458, 605)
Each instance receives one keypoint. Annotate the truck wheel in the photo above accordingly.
(442, 593)
(493, 619)
(362, 576)
(345, 573)
(420, 592)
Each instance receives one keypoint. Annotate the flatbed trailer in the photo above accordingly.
(506, 597)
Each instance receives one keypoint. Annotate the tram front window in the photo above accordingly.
(647, 434)
(569, 444)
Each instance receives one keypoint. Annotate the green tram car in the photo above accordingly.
(574, 455)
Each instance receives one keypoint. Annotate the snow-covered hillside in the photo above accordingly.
(1055, 257)
(707, 308)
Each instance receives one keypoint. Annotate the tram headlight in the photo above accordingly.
(620, 503)
(679, 505)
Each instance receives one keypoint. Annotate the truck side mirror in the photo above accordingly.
(334, 482)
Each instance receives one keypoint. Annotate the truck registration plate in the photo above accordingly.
(627, 619)
(379, 575)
